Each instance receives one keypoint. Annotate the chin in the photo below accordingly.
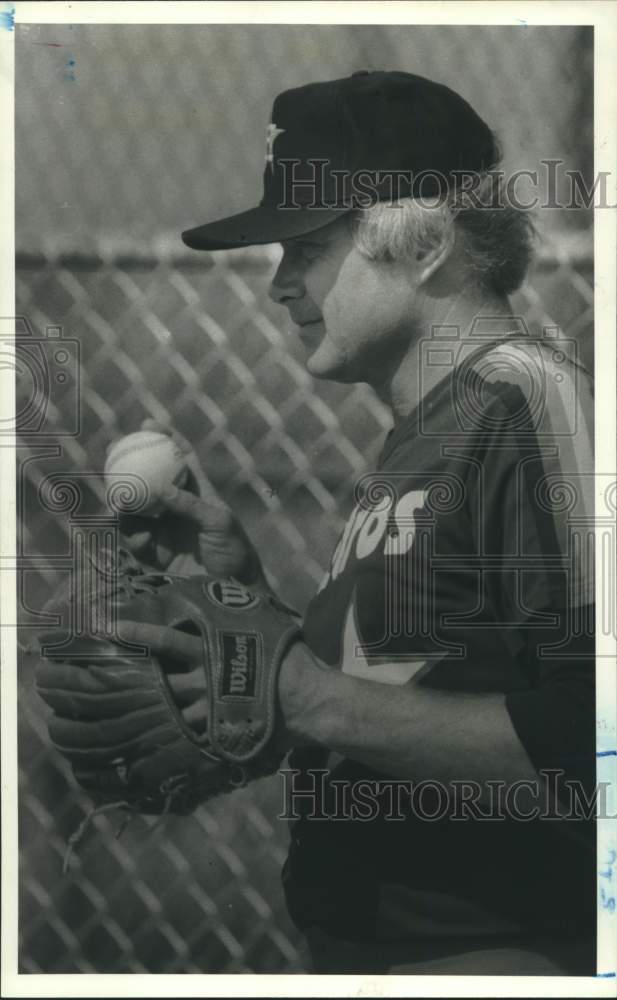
(334, 373)
(329, 364)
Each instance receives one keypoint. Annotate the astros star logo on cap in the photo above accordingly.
(272, 133)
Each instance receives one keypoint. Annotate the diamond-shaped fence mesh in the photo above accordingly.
(193, 339)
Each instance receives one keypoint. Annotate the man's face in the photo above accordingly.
(354, 316)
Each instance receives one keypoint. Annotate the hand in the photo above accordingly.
(79, 694)
(197, 532)
(300, 678)
(183, 655)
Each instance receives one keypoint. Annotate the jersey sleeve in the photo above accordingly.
(536, 527)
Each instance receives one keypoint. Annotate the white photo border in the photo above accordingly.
(602, 15)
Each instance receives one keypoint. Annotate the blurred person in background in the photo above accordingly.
(438, 653)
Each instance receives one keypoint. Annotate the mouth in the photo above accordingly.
(309, 332)
(307, 329)
(306, 322)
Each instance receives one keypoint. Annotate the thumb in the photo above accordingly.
(206, 513)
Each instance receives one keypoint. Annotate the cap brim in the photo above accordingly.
(264, 224)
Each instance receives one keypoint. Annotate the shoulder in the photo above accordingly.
(536, 385)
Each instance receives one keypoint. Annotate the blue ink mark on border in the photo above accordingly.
(605, 975)
(521, 20)
(606, 753)
(7, 18)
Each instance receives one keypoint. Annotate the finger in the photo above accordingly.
(193, 483)
(198, 476)
(202, 484)
(147, 546)
(149, 424)
(68, 676)
(140, 731)
(86, 706)
(137, 541)
(196, 715)
(187, 688)
(89, 691)
(219, 560)
(163, 640)
(117, 675)
(185, 564)
(207, 512)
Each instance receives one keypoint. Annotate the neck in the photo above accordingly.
(413, 378)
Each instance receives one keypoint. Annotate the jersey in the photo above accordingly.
(466, 565)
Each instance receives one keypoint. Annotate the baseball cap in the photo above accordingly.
(344, 144)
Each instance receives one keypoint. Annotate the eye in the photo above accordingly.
(304, 251)
(304, 248)
(310, 251)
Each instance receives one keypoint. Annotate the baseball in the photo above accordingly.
(151, 462)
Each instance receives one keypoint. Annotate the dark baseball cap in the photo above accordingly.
(344, 144)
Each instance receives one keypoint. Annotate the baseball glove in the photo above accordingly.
(116, 718)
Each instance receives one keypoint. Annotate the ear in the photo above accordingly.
(429, 261)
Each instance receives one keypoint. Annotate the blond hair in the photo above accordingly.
(496, 238)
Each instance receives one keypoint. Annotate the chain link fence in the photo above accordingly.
(153, 144)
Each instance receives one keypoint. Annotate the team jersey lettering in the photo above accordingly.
(366, 528)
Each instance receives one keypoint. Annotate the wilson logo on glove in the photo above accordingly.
(232, 595)
(239, 673)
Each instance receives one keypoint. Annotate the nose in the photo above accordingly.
(287, 283)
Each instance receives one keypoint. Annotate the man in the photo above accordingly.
(439, 651)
